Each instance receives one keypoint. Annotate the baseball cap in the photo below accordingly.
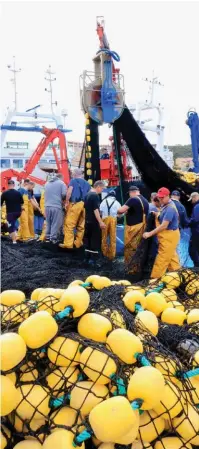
(133, 189)
(163, 192)
(175, 192)
(192, 195)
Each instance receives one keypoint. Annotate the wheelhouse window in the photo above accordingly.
(17, 163)
(5, 163)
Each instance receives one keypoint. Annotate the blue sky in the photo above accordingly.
(159, 36)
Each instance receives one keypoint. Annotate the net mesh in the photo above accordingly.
(57, 384)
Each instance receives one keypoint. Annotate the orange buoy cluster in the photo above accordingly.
(73, 375)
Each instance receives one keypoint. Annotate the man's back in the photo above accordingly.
(80, 189)
(92, 202)
(55, 192)
(109, 207)
(183, 219)
(138, 206)
(13, 200)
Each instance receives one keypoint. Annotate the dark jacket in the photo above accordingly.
(194, 221)
(183, 218)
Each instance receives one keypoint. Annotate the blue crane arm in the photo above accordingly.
(193, 123)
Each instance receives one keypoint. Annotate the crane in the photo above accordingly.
(61, 162)
(193, 123)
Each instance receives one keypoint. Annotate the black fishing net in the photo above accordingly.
(60, 381)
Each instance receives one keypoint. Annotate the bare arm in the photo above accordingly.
(98, 218)
(155, 231)
(123, 209)
(69, 193)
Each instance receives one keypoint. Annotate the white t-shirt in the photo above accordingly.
(113, 210)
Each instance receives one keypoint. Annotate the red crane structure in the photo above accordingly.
(61, 161)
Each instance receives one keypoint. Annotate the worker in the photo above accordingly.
(42, 208)
(94, 223)
(183, 219)
(167, 230)
(108, 211)
(74, 223)
(136, 209)
(14, 206)
(32, 206)
(154, 205)
(54, 197)
(104, 154)
(194, 225)
(24, 231)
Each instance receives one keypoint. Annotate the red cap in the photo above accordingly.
(163, 192)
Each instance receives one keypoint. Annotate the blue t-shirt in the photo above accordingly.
(23, 191)
(169, 213)
(80, 189)
(153, 208)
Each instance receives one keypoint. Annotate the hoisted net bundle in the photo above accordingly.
(93, 347)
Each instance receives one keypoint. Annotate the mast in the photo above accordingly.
(12, 68)
(49, 78)
(152, 83)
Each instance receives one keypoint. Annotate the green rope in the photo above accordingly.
(118, 164)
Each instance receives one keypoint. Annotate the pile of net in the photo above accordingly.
(102, 363)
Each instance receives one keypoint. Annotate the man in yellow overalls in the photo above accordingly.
(168, 234)
(42, 207)
(74, 223)
(136, 210)
(108, 211)
(24, 231)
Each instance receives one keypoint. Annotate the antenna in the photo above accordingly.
(50, 80)
(12, 68)
(152, 83)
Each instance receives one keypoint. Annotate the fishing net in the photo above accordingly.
(60, 382)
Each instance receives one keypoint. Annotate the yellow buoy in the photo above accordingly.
(147, 384)
(94, 326)
(171, 403)
(112, 419)
(169, 294)
(64, 352)
(151, 426)
(124, 282)
(86, 395)
(173, 316)
(76, 297)
(130, 436)
(193, 316)
(137, 444)
(117, 319)
(65, 416)
(132, 298)
(101, 282)
(97, 365)
(35, 294)
(25, 426)
(45, 293)
(172, 280)
(175, 305)
(166, 366)
(9, 396)
(5, 436)
(12, 377)
(195, 362)
(124, 344)
(172, 443)
(192, 287)
(61, 439)
(49, 304)
(96, 442)
(155, 302)
(62, 377)
(13, 350)
(38, 329)
(28, 373)
(149, 320)
(187, 425)
(12, 297)
(33, 402)
(75, 283)
(28, 444)
(16, 314)
(90, 278)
